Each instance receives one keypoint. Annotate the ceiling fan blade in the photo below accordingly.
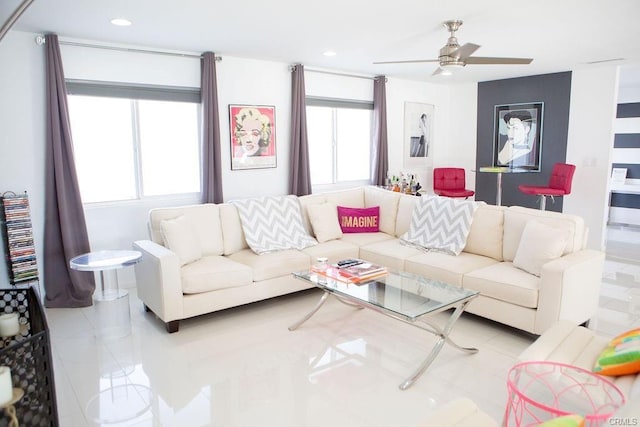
(438, 71)
(486, 60)
(408, 62)
(465, 51)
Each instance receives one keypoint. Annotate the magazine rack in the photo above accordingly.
(18, 236)
(28, 355)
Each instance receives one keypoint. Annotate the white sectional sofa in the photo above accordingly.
(565, 342)
(225, 272)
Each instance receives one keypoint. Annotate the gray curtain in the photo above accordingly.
(300, 183)
(379, 152)
(65, 231)
(211, 163)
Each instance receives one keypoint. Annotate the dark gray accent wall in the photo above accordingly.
(552, 89)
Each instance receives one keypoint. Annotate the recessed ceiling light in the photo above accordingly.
(329, 53)
(121, 22)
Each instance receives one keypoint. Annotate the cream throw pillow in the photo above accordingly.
(180, 237)
(539, 244)
(324, 221)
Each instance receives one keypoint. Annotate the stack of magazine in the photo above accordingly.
(354, 271)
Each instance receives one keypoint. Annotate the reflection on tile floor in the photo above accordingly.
(243, 367)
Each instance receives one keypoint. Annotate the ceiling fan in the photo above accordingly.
(452, 55)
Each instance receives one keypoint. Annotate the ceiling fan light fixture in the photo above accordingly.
(121, 22)
(452, 65)
(445, 72)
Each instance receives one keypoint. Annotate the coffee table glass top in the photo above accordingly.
(405, 295)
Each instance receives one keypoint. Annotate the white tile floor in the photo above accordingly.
(242, 367)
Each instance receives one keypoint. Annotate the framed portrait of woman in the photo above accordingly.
(253, 136)
(518, 135)
(418, 135)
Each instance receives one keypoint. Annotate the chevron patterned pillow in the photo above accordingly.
(440, 224)
(273, 223)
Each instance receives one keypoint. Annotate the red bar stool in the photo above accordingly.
(559, 184)
(450, 182)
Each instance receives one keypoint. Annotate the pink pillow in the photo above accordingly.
(359, 220)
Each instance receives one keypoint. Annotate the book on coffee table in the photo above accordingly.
(353, 274)
(363, 271)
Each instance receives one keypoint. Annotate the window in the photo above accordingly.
(134, 142)
(339, 134)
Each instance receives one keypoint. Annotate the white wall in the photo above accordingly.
(401, 91)
(22, 123)
(248, 81)
(22, 120)
(460, 150)
(594, 94)
(240, 81)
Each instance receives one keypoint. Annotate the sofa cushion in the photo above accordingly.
(440, 224)
(234, 240)
(487, 229)
(180, 237)
(539, 244)
(205, 220)
(444, 267)
(211, 273)
(334, 250)
(406, 205)
(363, 239)
(504, 282)
(351, 197)
(273, 264)
(388, 203)
(305, 202)
(359, 220)
(516, 217)
(324, 221)
(390, 253)
(273, 223)
(621, 356)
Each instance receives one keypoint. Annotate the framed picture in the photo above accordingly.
(418, 135)
(618, 176)
(253, 136)
(517, 135)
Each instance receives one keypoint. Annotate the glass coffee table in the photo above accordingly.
(403, 296)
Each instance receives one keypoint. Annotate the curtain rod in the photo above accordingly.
(311, 70)
(14, 17)
(40, 40)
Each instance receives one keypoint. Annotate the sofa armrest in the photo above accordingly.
(569, 289)
(158, 280)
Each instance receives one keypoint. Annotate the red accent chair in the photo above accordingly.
(559, 184)
(450, 182)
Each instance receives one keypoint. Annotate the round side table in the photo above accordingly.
(111, 302)
(499, 170)
(540, 391)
